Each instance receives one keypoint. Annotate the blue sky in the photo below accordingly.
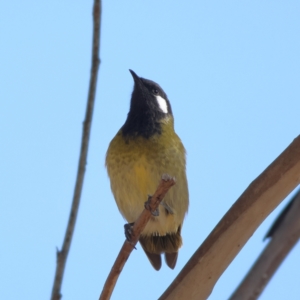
(231, 71)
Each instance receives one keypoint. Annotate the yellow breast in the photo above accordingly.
(135, 166)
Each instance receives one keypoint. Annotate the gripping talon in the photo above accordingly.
(155, 212)
(167, 207)
(128, 233)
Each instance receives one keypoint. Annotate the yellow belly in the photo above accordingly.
(135, 167)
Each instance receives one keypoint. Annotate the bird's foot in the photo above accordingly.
(128, 233)
(155, 212)
(167, 208)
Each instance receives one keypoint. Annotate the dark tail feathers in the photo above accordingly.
(155, 245)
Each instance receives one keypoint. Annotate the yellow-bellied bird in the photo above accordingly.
(145, 148)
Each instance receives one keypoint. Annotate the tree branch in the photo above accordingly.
(63, 253)
(197, 279)
(284, 236)
(165, 184)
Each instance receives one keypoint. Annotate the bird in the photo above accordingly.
(145, 148)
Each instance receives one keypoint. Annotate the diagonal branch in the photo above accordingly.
(165, 184)
(63, 253)
(198, 277)
(284, 234)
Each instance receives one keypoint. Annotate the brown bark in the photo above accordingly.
(62, 255)
(283, 239)
(197, 279)
(151, 205)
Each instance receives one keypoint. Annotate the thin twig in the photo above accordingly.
(63, 253)
(284, 235)
(165, 184)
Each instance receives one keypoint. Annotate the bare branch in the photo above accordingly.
(63, 253)
(197, 279)
(284, 236)
(165, 184)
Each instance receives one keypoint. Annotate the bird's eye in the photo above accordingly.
(155, 91)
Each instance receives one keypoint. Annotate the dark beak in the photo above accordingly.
(136, 78)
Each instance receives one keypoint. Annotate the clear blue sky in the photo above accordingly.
(231, 70)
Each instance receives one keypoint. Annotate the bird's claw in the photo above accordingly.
(155, 213)
(167, 208)
(128, 233)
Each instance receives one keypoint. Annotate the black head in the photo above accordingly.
(149, 107)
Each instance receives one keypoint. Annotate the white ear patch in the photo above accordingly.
(162, 103)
